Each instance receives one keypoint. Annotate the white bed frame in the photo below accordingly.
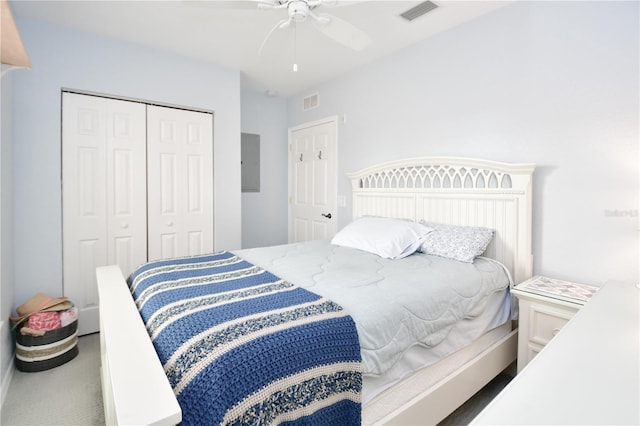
(446, 190)
(457, 191)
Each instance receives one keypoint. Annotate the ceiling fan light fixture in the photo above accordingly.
(333, 27)
(298, 10)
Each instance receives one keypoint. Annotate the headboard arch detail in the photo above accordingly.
(458, 191)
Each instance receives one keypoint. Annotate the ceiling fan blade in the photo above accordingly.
(225, 4)
(270, 4)
(338, 3)
(341, 31)
(280, 25)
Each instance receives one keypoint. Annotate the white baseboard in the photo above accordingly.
(7, 367)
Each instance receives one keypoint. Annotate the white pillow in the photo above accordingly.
(462, 243)
(386, 237)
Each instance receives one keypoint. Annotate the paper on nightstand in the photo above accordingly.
(561, 288)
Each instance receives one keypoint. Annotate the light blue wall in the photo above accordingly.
(554, 83)
(6, 232)
(64, 58)
(265, 213)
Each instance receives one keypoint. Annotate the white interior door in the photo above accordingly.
(180, 182)
(312, 181)
(103, 194)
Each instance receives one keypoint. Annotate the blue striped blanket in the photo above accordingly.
(240, 346)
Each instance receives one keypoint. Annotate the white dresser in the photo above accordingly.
(588, 374)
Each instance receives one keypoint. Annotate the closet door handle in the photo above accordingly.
(124, 225)
(328, 215)
(170, 223)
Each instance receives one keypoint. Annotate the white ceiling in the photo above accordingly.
(230, 33)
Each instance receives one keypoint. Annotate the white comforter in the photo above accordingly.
(396, 304)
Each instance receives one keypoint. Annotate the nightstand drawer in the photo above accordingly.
(546, 322)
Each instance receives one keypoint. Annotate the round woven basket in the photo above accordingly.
(54, 348)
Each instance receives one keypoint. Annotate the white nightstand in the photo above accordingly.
(545, 305)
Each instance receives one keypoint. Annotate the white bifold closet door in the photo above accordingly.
(137, 184)
(180, 182)
(103, 195)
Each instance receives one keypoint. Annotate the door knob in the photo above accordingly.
(328, 215)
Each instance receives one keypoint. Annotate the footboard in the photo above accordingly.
(135, 390)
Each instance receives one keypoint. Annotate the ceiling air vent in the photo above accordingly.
(310, 102)
(419, 10)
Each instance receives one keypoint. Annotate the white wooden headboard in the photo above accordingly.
(457, 191)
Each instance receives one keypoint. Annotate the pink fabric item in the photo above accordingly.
(45, 321)
(68, 316)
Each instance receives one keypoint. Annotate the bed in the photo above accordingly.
(455, 191)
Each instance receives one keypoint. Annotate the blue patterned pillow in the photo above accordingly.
(462, 243)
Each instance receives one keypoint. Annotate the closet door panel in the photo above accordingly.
(84, 216)
(103, 201)
(168, 245)
(180, 182)
(126, 184)
(168, 184)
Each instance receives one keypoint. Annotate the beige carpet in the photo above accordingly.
(66, 395)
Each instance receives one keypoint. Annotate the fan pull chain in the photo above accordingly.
(295, 46)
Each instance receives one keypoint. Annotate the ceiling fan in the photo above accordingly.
(333, 27)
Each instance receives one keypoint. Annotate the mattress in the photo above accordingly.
(409, 312)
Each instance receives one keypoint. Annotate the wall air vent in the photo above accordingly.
(310, 102)
(419, 10)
